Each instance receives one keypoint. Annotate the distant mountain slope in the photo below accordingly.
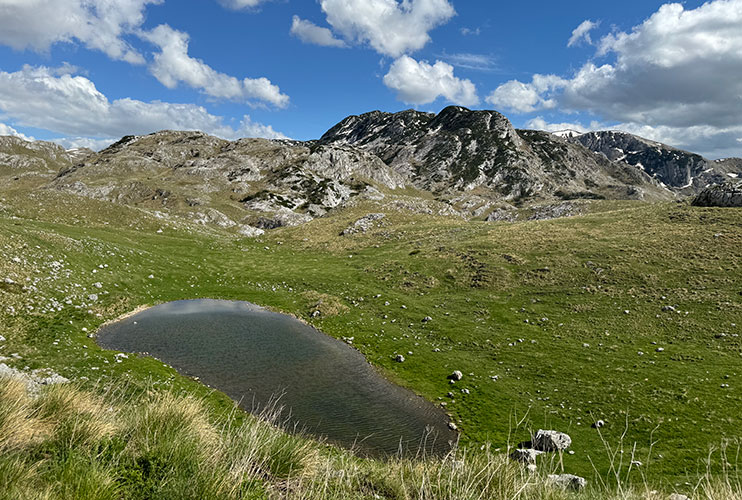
(463, 150)
(30, 163)
(249, 181)
(684, 172)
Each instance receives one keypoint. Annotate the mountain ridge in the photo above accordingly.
(472, 164)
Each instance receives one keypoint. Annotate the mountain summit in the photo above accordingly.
(464, 150)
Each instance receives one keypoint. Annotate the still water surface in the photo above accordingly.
(254, 355)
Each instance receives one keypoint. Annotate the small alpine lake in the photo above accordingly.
(257, 357)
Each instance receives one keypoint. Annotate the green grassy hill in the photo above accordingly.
(630, 314)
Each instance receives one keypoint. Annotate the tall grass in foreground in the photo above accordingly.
(71, 444)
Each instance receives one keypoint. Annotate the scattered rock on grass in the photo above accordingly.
(525, 456)
(363, 224)
(567, 481)
(551, 441)
(33, 380)
(456, 375)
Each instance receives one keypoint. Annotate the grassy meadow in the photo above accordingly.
(630, 314)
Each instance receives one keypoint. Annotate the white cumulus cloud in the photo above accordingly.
(582, 32)
(391, 27)
(540, 123)
(8, 130)
(308, 32)
(526, 97)
(678, 71)
(172, 65)
(99, 25)
(72, 106)
(418, 82)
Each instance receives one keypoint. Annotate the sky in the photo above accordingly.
(87, 72)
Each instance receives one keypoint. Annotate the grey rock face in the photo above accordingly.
(567, 481)
(682, 171)
(728, 194)
(551, 441)
(462, 150)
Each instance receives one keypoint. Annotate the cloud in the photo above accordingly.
(539, 123)
(241, 4)
(172, 65)
(582, 32)
(72, 106)
(526, 97)
(422, 83)
(8, 130)
(308, 32)
(84, 142)
(388, 26)
(677, 71)
(100, 25)
(476, 62)
(471, 32)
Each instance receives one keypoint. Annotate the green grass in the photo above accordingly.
(160, 445)
(556, 285)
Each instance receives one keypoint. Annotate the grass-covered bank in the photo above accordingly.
(557, 310)
(68, 443)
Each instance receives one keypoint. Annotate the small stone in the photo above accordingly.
(525, 456)
(599, 424)
(678, 496)
(636, 463)
(456, 375)
(427, 319)
(452, 426)
(660, 349)
(567, 481)
(399, 358)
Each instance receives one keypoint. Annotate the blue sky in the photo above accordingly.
(85, 72)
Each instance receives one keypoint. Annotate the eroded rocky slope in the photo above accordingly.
(683, 172)
(460, 150)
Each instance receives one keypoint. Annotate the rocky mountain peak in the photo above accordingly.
(683, 172)
(460, 150)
